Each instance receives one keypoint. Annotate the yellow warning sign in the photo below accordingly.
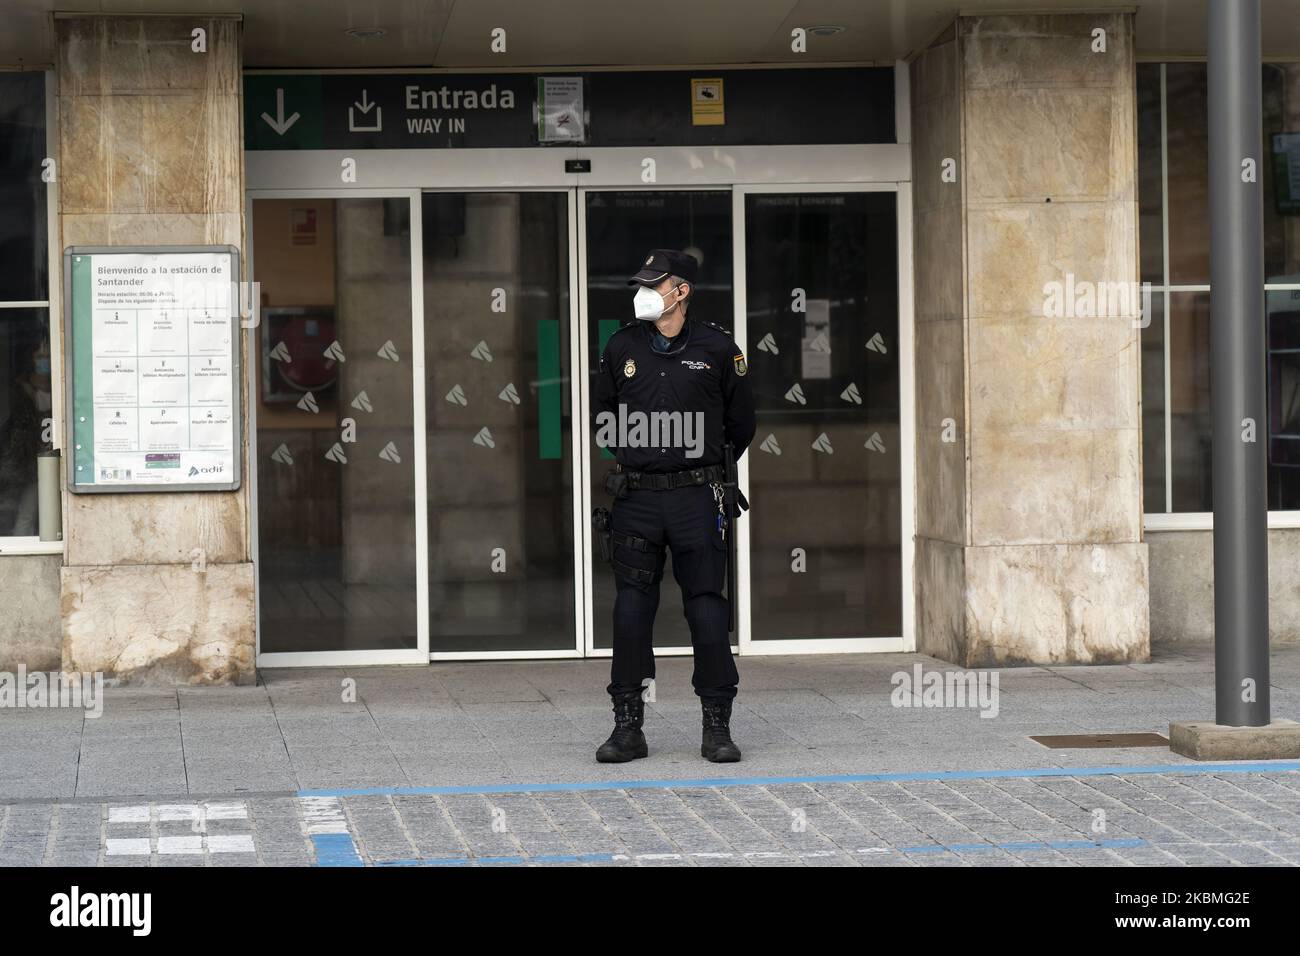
(706, 102)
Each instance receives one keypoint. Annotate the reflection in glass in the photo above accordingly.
(25, 422)
(621, 228)
(24, 256)
(1153, 407)
(1150, 210)
(1284, 400)
(335, 438)
(1189, 399)
(822, 303)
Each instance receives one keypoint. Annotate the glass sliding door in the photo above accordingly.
(333, 401)
(621, 226)
(822, 336)
(499, 423)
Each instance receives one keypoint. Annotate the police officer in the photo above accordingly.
(669, 495)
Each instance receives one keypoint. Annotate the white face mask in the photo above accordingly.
(648, 303)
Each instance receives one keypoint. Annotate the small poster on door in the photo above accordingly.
(706, 102)
(560, 116)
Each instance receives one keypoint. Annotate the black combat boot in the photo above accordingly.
(627, 742)
(717, 744)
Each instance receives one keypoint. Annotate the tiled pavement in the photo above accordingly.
(492, 764)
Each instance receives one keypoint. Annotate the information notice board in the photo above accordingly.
(153, 359)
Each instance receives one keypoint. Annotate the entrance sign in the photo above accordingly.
(641, 108)
(153, 354)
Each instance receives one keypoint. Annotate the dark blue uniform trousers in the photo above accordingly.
(686, 521)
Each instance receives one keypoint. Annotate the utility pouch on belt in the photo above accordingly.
(600, 522)
(616, 484)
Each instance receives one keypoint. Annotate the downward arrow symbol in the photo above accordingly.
(366, 104)
(279, 123)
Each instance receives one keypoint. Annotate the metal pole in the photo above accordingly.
(1237, 361)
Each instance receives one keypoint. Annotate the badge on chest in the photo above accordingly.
(629, 368)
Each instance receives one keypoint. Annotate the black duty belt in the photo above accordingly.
(666, 481)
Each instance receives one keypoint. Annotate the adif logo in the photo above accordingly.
(281, 455)
(877, 344)
(481, 352)
(335, 454)
(389, 453)
(207, 470)
(281, 354)
(388, 351)
(308, 403)
(851, 394)
(947, 689)
(508, 394)
(768, 344)
(795, 394)
(770, 445)
(820, 343)
(484, 438)
(875, 443)
(823, 444)
(362, 401)
(334, 351)
(103, 909)
(457, 396)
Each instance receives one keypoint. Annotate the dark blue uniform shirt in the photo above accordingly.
(702, 371)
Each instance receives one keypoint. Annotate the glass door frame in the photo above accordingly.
(906, 424)
(576, 381)
(420, 653)
(584, 573)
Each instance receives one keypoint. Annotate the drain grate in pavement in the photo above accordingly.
(1097, 741)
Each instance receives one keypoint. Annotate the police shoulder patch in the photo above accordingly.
(741, 367)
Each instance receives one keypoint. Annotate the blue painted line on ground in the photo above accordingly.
(610, 857)
(503, 860)
(1275, 766)
(335, 849)
(1028, 845)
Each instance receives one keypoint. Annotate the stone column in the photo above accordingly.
(1029, 499)
(155, 587)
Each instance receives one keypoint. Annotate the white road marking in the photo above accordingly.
(136, 814)
(136, 846)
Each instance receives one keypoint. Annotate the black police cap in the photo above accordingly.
(662, 263)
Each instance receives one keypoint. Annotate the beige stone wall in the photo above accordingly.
(1030, 524)
(939, 263)
(1182, 586)
(151, 152)
(29, 628)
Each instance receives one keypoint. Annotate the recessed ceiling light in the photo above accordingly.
(366, 33)
(825, 31)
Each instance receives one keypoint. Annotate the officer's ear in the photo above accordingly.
(686, 294)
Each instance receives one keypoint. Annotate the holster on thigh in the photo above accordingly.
(631, 555)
